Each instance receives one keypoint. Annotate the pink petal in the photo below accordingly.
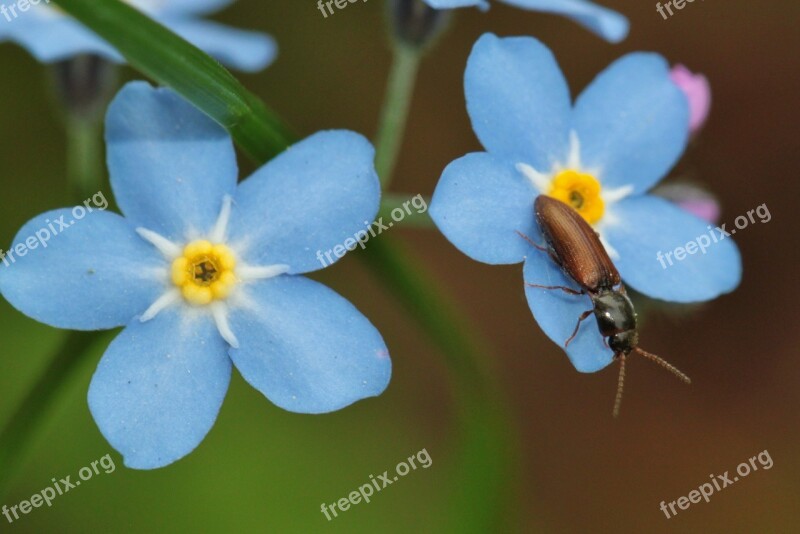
(698, 91)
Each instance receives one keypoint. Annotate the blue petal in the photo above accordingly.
(518, 100)
(53, 38)
(56, 39)
(648, 226)
(480, 204)
(558, 312)
(159, 387)
(170, 164)
(95, 274)
(607, 23)
(239, 49)
(312, 197)
(306, 348)
(632, 122)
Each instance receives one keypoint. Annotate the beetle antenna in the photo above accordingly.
(666, 365)
(620, 384)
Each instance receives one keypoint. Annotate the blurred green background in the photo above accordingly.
(263, 469)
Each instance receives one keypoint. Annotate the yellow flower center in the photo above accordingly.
(205, 272)
(580, 191)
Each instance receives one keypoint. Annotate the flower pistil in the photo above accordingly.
(580, 191)
(205, 272)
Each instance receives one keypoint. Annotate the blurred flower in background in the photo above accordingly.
(600, 156)
(691, 198)
(204, 274)
(608, 24)
(51, 35)
(697, 91)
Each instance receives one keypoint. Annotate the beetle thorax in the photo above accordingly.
(614, 312)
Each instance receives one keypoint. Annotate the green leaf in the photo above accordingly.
(174, 62)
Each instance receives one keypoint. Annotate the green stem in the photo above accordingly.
(417, 205)
(21, 428)
(487, 455)
(84, 156)
(402, 78)
(85, 177)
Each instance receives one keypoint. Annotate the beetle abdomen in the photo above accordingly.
(576, 245)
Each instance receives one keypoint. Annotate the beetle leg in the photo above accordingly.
(582, 318)
(562, 288)
(532, 243)
(541, 248)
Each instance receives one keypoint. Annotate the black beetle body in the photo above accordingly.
(616, 320)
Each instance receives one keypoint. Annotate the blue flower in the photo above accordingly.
(607, 23)
(601, 155)
(205, 275)
(51, 35)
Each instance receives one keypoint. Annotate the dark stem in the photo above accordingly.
(17, 434)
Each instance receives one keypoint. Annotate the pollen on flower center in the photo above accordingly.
(581, 191)
(205, 272)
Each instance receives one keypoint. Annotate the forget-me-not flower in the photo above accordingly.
(51, 35)
(600, 155)
(205, 274)
(607, 23)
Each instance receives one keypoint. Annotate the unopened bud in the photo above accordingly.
(85, 84)
(415, 23)
(697, 91)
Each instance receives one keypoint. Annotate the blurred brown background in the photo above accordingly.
(580, 470)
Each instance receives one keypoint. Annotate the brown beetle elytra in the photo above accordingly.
(575, 247)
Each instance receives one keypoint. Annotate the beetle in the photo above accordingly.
(576, 248)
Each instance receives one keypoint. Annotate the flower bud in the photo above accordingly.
(416, 24)
(697, 91)
(84, 84)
